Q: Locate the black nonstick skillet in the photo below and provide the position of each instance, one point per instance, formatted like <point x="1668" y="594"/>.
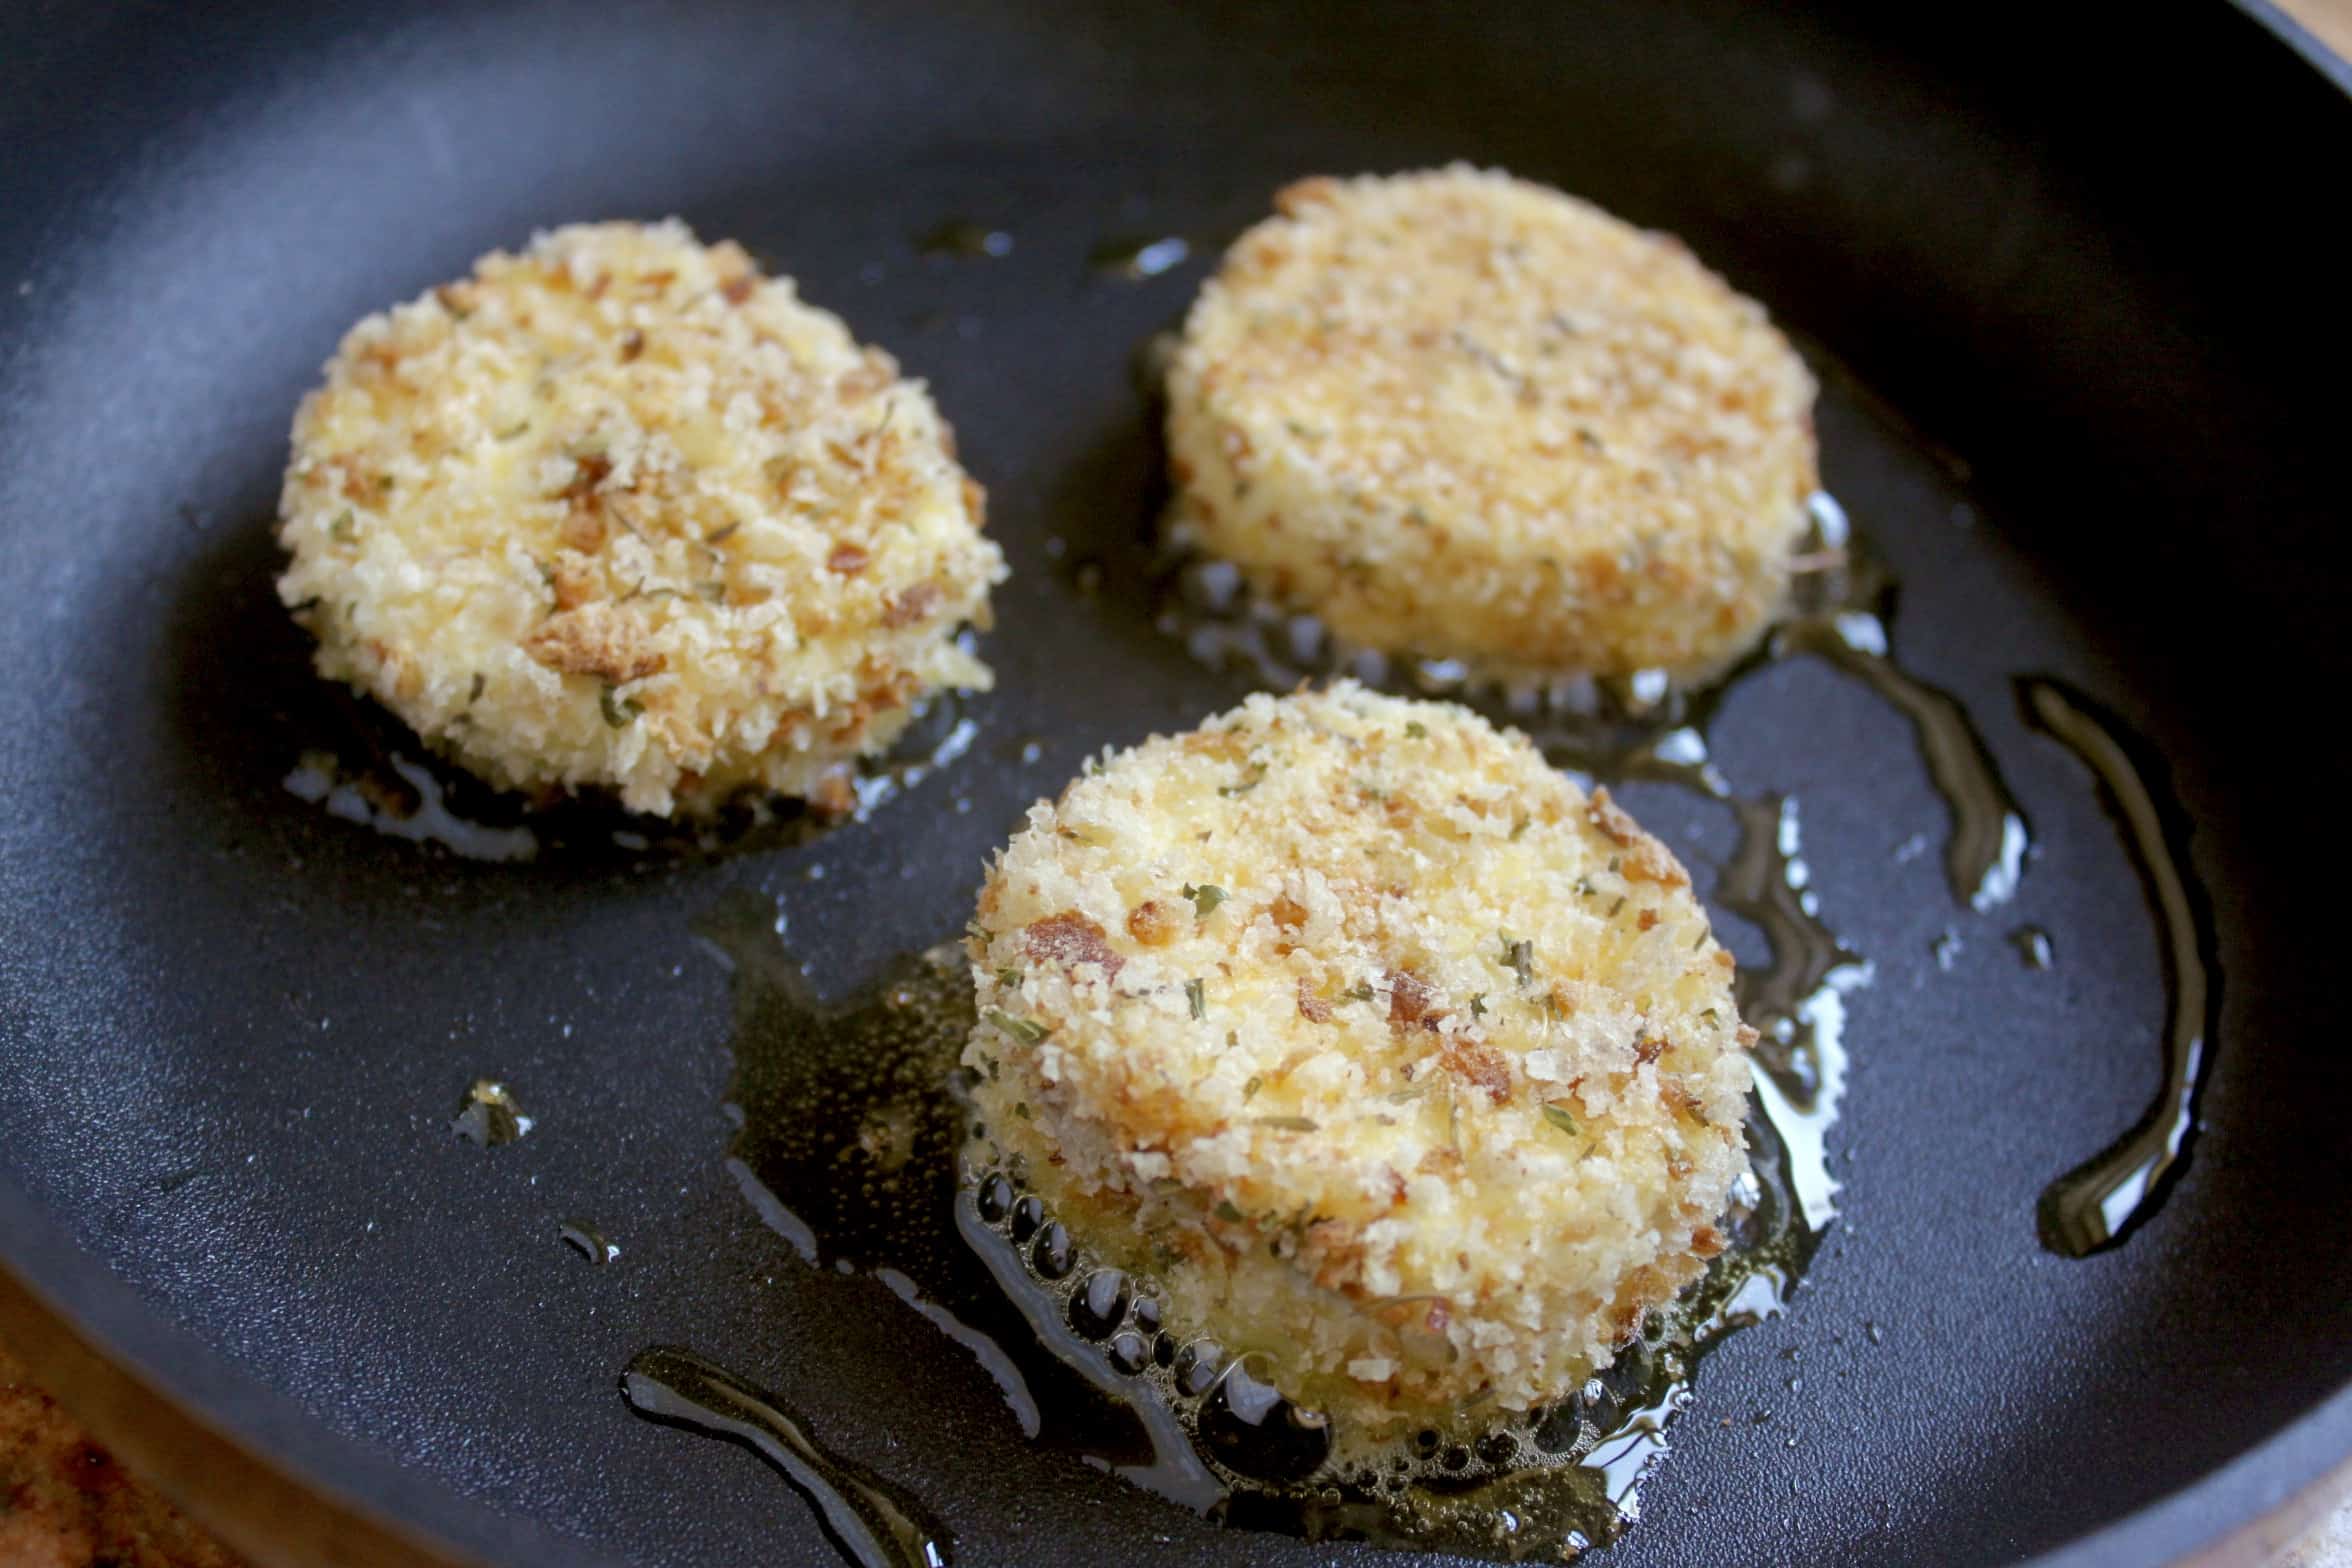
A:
<point x="2074" y="264"/>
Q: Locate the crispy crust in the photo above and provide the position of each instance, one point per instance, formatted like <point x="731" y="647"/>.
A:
<point x="1461" y="415"/>
<point x="1431" y="1087"/>
<point x="621" y="513"/>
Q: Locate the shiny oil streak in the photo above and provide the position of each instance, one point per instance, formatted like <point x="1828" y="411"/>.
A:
<point x="874" y="1524"/>
<point x="2094" y="1205"/>
<point x="439" y="804"/>
<point x="1644" y="726"/>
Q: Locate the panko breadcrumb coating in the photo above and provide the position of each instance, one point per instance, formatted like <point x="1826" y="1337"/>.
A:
<point x="1459" y="415"/>
<point x="621" y="513"/>
<point x="1386" y="1049"/>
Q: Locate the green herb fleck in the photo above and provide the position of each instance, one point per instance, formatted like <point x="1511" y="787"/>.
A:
<point x="1227" y="1212"/>
<point x="1021" y="1109"/>
<point x="1557" y="1115"/>
<point x="481" y="682"/>
<point x="1204" y="898"/>
<point x="1614" y="908"/>
<point x="1008" y="976"/>
<point x="721" y="534"/>
<point x="1197" y="994"/>
<point x="1518" y="957"/>
<point x="1251" y="778"/>
<point x="1249" y="1091"/>
<point x="1584" y="887"/>
<point x="618" y="710"/>
<point x="1416" y="729"/>
<point x="1361" y="991"/>
<point x="1021" y="1029"/>
<point x="345" y="527"/>
<point x="1713" y="1017"/>
<point x="1286" y="1123"/>
<point x="1478" y="1005"/>
<point x="1400" y="1096"/>
<point x="519" y="427"/>
<point x="1518" y="827"/>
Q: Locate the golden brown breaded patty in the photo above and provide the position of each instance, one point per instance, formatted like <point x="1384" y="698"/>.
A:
<point x="1460" y="415"/>
<point x="621" y="513"/>
<point x="1387" y="1050"/>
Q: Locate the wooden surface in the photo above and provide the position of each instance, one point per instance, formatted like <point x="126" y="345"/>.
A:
<point x="65" y="1503"/>
<point x="2330" y="21"/>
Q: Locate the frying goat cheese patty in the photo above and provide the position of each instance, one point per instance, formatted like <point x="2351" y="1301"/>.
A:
<point x="621" y="513"/>
<point x="1459" y="415"/>
<point x="1382" y="1046"/>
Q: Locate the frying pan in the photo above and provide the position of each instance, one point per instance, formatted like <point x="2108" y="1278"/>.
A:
<point x="2091" y="410"/>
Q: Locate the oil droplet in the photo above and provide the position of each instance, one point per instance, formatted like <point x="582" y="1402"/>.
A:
<point x="2033" y="946"/>
<point x="2099" y="1202"/>
<point x="589" y="1242"/>
<point x="1139" y="258"/>
<point x="962" y="239"/>
<point x="872" y="1522"/>
<point x="488" y="1115"/>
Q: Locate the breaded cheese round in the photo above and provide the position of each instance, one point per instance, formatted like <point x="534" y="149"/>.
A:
<point x="1459" y="415"/>
<point x="620" y="513"/>
<point x="1388" y="1051"/>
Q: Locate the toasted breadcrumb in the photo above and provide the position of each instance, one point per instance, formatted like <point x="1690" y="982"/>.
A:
<point x="620" y="513"/>
<point x="1459" y="415"/>
<point x="1390" y="1052"/>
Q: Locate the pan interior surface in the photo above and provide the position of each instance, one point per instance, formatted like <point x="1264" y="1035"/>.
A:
<point x="234" y="1029"/>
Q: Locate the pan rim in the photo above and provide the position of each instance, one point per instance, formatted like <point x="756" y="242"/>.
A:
<point x="172" y="1403"/>
<point x="2333" y="67"/>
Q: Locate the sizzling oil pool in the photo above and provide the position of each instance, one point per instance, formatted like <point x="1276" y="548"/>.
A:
<point x="855" y="1140"/>
<point x="856" y="1144"/>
